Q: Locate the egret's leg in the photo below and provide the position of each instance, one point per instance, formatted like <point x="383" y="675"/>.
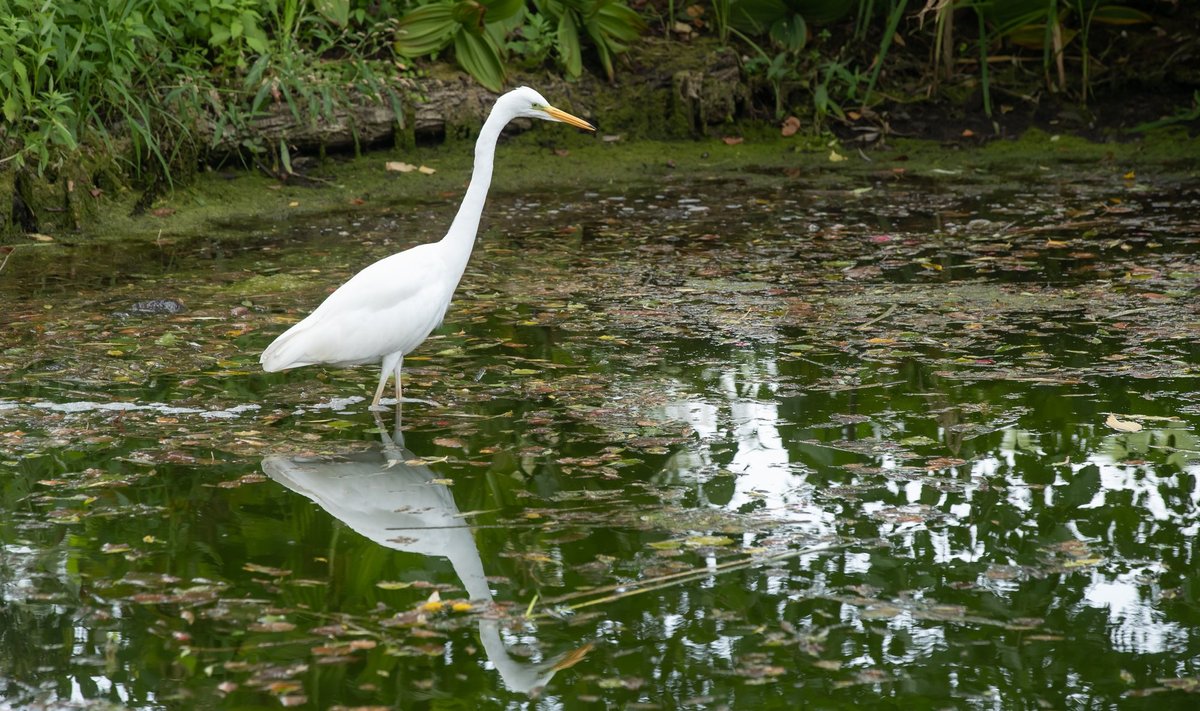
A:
<point x="389" y="365"/>
<point x="399" y="364"/>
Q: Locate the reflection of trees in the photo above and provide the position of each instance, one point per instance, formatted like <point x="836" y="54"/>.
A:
<point x="1054" y="528"/>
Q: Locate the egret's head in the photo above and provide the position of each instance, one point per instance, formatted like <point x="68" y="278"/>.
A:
<point x="530" y="104"/>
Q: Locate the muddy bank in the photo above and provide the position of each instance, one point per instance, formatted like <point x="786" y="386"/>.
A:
<point x="698" y="91"/>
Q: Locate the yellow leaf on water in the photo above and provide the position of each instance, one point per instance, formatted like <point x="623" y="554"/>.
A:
<point x="572" y="658"/>
<point x="835" y="157"/>
<point x="709" y="541"/>
<point x="1122" y="425"/>
<point x="426" y="170"/>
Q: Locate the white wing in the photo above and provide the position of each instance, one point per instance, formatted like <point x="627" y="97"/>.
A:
<point x="389" y="307"/>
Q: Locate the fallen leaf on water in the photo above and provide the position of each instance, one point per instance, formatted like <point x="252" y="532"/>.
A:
<point x="434" y="603"/>
<point x="573" y="657"/>
<point x="1122" y="425"/>
<point x="272" y="626"/>
<point x="426" y="170"/>
<point x="273" y="572"/>
<point x="835" y="157"/>
<point x="709" y="541"/>
<point x="399" y="166"/>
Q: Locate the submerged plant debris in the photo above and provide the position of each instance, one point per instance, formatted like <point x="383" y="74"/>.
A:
<point x="753" y="437"/>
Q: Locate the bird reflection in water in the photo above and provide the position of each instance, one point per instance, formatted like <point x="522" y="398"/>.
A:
<point x="378" y="494"/>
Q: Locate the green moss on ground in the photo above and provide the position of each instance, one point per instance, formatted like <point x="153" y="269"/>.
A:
<point x="547" y="158"/>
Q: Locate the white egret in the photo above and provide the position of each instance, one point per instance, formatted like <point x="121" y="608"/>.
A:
<point x="389" y="308"/>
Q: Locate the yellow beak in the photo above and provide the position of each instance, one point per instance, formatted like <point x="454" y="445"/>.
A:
<point x="560" y="115"/>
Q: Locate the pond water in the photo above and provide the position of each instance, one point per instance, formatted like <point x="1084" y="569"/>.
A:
<point x="723" y="441"/>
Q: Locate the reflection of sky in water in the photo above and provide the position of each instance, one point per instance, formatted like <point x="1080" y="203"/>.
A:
<point x="740" y="437"/>
<point x="764" y="476"/>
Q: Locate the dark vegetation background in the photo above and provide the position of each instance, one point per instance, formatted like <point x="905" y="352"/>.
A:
<point x="98" y="96"/>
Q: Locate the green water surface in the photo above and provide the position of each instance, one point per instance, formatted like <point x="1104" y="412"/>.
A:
<point x="721" y="440"/>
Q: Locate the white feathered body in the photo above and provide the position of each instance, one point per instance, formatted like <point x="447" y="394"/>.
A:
<point x="387" y="310"/>
<point x="389" y="307"/>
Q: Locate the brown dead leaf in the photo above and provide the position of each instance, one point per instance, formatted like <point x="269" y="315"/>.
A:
<point x="790" y="126"/>
<point x="732" y="140"/>
<point x="573" y="657"/>
<point x="1122" y="425"/>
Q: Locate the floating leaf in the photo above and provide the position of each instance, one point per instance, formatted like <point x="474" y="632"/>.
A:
<point x="709" y="541"/>
<point x="1122" y="425"/>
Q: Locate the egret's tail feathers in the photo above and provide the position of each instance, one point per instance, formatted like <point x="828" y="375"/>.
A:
<point x="284" y="352"/>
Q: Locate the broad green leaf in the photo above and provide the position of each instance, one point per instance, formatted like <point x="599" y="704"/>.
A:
<point x="790" y="32"/>
<point x="476" y="54"/>
<point x="336" y="11"/>
<point x="620" y="21"/>
<point x="499" y="10"/>
<point x="1120" y="15"/>
<point x="469" y="14"/>
<point x="12" y="109"/>
<point x="569" y="51"/>
<point x="755" y="16"/>
<point x="425" y="30"/>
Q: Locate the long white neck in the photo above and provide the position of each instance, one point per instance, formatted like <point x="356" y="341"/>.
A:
<point x="461" y="237"/>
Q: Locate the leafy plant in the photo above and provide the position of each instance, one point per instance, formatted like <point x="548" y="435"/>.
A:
<point x="610" y="24"/>
<point x="1051" y="26"/>
<point x="786" y="22"/>
<point x="471" y="26"/>
<point x="530" y="37"/>
<point x="233" y="28"/>
<point x="70" y="66"/>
